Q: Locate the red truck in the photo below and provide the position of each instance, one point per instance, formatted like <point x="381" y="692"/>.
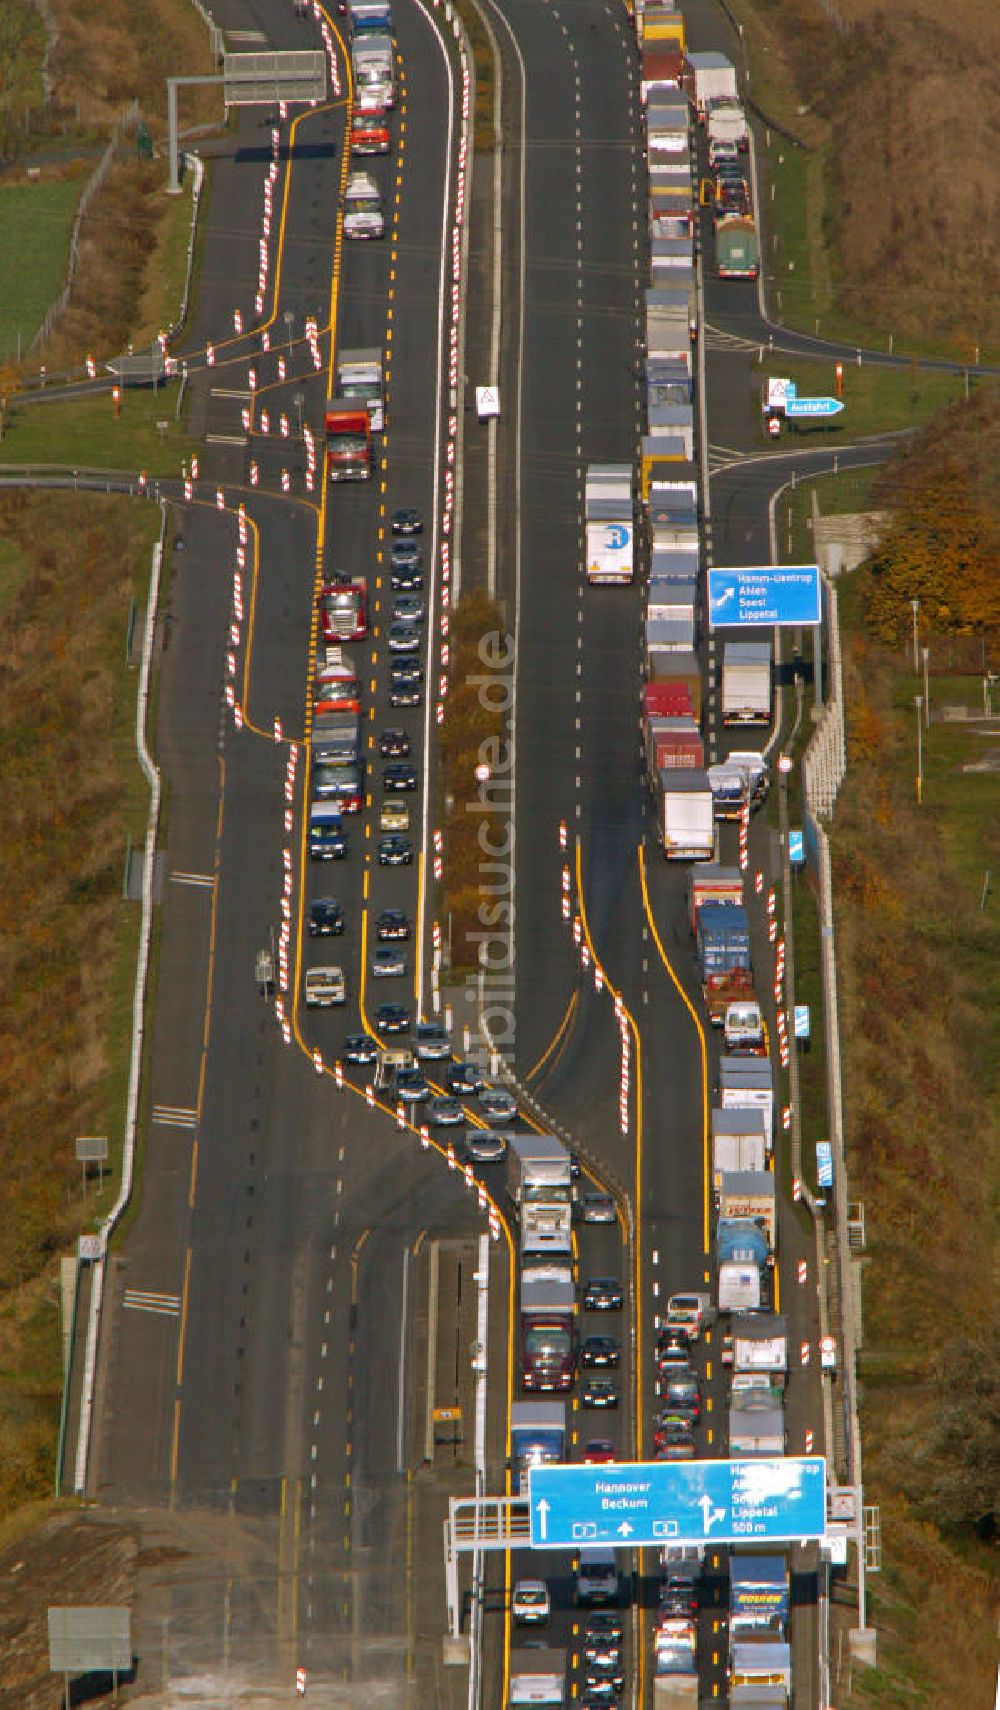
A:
<point x="666" y="699"/>
<point x="348" y="442"/>
<point x="343" y="609"/>
<point x="672" y="742"/>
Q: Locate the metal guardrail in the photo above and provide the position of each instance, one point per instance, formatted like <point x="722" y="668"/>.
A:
<point x="824" y="768"/>
<point x="138" y="1024"/>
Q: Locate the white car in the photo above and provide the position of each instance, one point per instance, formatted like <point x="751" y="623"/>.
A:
<point x="530" y="1605"/>
<point x="325" y="987"/>
<point x="497" y="1105"/>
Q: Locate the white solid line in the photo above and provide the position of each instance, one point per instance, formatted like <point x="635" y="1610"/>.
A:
<point x="436" y="501"/>
<point x="230" y="392"/>
<point x="205" y="880"/>
<point x="226" y="438"/>
<point x="401" y="1407"/>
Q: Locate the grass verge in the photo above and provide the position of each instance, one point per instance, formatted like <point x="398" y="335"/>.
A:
<point x="876" y="400"/>
<point x="160" y="303"/>
<point x="36" y="217"/>
<point x="85" y="433"/>
<point x="918" y="933"/>
<point x="66" y="936"/>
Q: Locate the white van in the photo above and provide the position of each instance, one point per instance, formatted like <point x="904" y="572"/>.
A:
<point x="363" y="207"/>
<point x="597" y="1577"/>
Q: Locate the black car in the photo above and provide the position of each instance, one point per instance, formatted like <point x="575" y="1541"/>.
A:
<point x="599" y="1352"/>
<point x="405" y="694"/>
<point x="392" y="923"/>
<point x="388" y="961"/>
<point x="603" y="1294"/>
<point x="407" y="521"/>
<point x="394" y="744"/>
<point x="463" y="1078"/>
<point x="395" y="851"/>
<point x="406" y="555"/>
<point x="672" y="1350"/>
<point x="392" y="1018"/>
<point x="574" y="1166"/>
<point x="327" y="843"/>
<point x="603" y="1697"/>
<point x="406" y="671"/>
<point x="326" y="918"/>
<point x="602" y="1630"/>
<point x="412" y="1086"/>
<point x="604" y="1671"/>
<point x="599" y="1392"/>
<point x="399" y="776"/>
<point x="406" y="578"/>
<point x="360" y="1048"/>
<point x="677" y="1605"/>
<point x="673" y="1430"/>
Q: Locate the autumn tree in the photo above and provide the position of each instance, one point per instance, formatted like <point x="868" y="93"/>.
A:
<point x="941" y="547"/>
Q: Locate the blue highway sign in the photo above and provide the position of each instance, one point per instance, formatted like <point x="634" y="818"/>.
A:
<point x="801" y="1020"/>
<point x="812" y="407"/>
<point x="766" y="594"/>
<point x="824" y="1163"/>
<point x="684" y="1502"/>
<point x="796" y="848"/>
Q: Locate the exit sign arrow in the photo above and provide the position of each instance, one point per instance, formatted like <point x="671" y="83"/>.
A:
<point x="542" y="1510"/>
<point x="813" y="407"/>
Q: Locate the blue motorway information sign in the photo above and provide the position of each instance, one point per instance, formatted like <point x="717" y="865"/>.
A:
<point x="766" y="594"/>
<point x="684" y="1502"/>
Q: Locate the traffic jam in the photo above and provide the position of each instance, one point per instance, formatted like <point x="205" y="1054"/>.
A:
<point x="719" y="1360"/>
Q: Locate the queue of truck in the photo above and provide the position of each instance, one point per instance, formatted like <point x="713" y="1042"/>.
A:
<point x="662" y="515"/>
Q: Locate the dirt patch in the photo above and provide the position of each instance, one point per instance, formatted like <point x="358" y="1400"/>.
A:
<point x="70" y="1559"/>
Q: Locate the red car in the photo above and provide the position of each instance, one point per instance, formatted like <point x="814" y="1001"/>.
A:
<point x="600" y="1451"/>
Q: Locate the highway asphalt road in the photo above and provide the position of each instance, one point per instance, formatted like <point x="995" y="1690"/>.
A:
<point x="263" y="1183"/>
<point x="579" y="760"/>
<point x="258" y="1310"/>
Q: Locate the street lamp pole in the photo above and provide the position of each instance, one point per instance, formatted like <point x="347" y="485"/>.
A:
<point x="915" y="607"/>
<point x="927" y="688"/>
<point x="918" y="701"/>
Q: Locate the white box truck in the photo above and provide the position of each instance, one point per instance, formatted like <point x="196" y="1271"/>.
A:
<point x="360" y="379"/>
<point x="686" y="820"/>
<point x="746" y="682"/>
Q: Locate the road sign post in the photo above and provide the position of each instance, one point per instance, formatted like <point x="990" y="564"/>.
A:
<point x="692" y="1502"/>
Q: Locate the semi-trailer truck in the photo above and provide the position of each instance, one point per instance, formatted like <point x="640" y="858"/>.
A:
<point x="548" y="1340"/>
<point x="609" y="524"/>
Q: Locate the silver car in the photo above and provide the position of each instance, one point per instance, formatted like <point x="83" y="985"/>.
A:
<point x="484" y="1146"/>
<point x="497" y="1105"/>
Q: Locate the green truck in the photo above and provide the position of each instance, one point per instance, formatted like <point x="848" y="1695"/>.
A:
<point x="737" y="252"/>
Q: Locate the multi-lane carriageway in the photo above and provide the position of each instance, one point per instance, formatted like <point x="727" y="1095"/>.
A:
<point x="279" y="1217"/>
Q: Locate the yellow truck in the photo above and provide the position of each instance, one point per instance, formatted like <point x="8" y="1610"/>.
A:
<point x="662" y="25"/>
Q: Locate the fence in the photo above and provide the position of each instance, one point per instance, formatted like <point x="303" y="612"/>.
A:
<point x="127" y="120"/>
<point x="823" y="770"/>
